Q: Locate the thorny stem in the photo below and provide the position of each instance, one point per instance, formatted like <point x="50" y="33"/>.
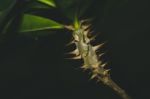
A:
<point x="87" y="52"/>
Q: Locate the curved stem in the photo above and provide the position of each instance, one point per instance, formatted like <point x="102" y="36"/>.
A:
<point x="86" y="51"/>
<point x="116" y="88"/>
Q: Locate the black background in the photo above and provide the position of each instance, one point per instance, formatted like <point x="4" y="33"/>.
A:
<point x="36" y="69"/>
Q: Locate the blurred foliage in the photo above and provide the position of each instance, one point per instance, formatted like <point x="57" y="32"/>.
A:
<point x="12" y="9"/>
<point x="48" y="2"/>
<point x="4" y="4"/>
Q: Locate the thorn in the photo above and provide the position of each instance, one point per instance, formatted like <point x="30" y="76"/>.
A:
<point x="76" y="57"/>
<point x="84" y="67"/>
<point x="103" y="65"/>
<point x="98" y="46"/>
<point x="93" y="38"/>
<point x="93" y="76"/>
<point x="70" y="43"/>
<point x="76" y="52"/>
<point x="86" y="20"/>
<point x="86" y="27"/>
<point x="101" y="54"/>
<point x="69" y="27"/>
<point x="73" y="58"/>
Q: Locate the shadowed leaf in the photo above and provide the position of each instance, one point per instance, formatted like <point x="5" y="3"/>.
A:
<point x="4" y="4"/>
<point x="39" y="5"/>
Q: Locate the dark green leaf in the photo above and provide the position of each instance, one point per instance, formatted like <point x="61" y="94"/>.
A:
<point x="6" y="7"/>
<point x="32" y="23"/>
<point x="4" y="4"/>
<point x="38" y="5"/>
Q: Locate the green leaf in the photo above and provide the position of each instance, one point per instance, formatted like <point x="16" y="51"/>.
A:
<point x="48" y="2"/>
<point x="32" y="23"/>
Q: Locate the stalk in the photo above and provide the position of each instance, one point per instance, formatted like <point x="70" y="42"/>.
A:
<point x="91" y="61"/>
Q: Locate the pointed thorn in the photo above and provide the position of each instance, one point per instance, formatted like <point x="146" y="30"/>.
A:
<point x="70" y="43"/>
<point x="76" y="57"/>
<point x="93" y="37"/>
<point x="69" y="27"/>
<point x="75" y="52"/>
<point x="86" y="27"/>
<point x="93" y="76"/>
<point x="84" y="67"/>
<point x="101" y="54"/>
<point x="86" y="20"/>
<point x="98" y="46"/>
<point x="103" y="65"/>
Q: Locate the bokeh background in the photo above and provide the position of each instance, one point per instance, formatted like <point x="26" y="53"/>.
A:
<point x="36" y="68"/>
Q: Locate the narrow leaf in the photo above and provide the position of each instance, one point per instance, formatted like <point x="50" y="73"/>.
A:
<point x="36" y="23"/>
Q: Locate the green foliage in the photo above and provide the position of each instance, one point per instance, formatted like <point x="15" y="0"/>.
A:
<point x="48" y="2"/>
<point x="73" y="9"/>
<point x="32" y="23"/>
<point x="10" y="10"/>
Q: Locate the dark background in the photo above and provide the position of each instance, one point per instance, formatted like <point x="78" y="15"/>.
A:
<point x="36" y="69"/>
